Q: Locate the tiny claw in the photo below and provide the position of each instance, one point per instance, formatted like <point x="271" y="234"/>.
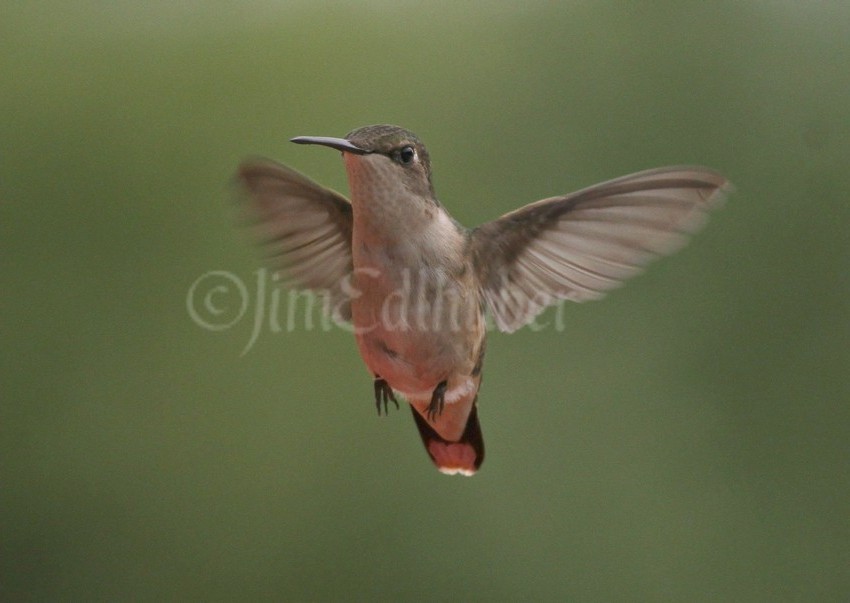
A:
<point x="383" y="394"/>
<point x="438" y="401"/>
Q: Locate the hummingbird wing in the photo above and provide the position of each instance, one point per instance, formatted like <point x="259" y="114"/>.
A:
<point x="581" y="245"/>
<point x="304" y="228"/>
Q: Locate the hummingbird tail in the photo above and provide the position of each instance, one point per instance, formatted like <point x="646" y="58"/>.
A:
<point x="462" y="457"/>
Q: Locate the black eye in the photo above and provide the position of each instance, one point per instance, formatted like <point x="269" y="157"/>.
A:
<point x="406" y="155"/>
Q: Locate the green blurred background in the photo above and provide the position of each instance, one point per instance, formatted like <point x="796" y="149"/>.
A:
<point x="686" y="439"/>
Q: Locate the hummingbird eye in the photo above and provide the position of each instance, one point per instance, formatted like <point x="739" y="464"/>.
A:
<point x="406" y="155"/>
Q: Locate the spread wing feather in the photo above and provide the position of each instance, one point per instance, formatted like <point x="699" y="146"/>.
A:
<point x="304" y="229"/>
<point x="580" y="246"/>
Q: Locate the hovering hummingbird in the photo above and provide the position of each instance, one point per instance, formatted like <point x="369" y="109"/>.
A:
<point x="416" y="284"/>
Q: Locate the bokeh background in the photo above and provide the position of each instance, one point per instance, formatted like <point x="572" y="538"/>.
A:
<point x="686" y="439"/>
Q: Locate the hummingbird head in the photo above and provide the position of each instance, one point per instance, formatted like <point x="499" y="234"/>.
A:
<point x="382" y="161"/>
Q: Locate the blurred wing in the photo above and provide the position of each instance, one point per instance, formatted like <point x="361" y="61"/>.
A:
<point x="304" y="228"/>
<point x="581" y="245"/>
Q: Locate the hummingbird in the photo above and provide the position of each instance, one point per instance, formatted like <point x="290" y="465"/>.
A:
<point x="416" y="285"/>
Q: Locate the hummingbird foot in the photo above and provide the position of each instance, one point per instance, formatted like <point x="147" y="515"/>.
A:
<point x="438" y="401"/>
<point x="383" y="395"/>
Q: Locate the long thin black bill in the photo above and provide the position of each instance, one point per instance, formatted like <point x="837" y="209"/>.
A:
<point x="340" y="144"/>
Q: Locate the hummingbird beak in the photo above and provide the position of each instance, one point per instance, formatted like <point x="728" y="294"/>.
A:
<point x="341" y="144"/>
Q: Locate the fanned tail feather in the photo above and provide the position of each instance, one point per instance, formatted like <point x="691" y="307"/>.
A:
<point x="462" y="457"/>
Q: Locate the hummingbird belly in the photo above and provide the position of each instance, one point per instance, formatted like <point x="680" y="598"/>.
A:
<point x="416" y="329"/>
